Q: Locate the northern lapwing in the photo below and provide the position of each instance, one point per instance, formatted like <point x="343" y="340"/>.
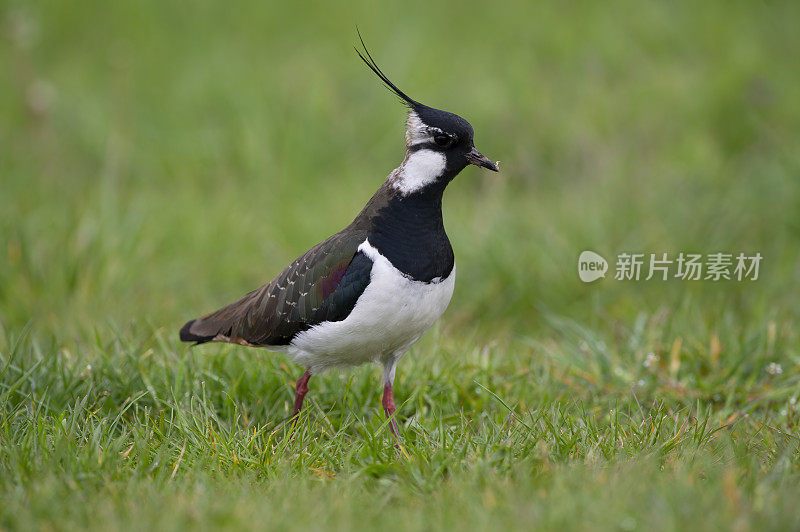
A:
<point x="369" y="292"/>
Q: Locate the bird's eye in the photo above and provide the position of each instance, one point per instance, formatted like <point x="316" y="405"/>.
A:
<point x="442" y="140"/>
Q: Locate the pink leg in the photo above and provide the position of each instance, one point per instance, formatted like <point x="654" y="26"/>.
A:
<point x="300" y="392"/>
<point x="388" y="407"/>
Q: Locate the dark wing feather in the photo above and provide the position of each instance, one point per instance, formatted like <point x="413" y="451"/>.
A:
<point x="322" y="285"/>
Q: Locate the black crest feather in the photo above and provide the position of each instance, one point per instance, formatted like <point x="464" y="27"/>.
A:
<point x="370" y="62"/>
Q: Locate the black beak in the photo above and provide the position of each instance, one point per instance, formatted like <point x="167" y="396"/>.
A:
<point x="478" y="159"/>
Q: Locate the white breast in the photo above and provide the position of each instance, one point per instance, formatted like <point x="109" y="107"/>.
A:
<point x="392" y="313"/>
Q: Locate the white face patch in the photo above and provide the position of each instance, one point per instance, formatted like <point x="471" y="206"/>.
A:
<point x="421" y="168"/>
<point x="417" y="132"/>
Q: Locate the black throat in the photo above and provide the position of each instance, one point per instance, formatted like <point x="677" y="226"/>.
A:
<point x="409" y="231"/>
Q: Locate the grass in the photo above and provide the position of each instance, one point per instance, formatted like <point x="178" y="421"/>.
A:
<point x="158" y="160"/>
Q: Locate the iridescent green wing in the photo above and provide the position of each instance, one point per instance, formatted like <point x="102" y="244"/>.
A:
<point x="321" y="285"/>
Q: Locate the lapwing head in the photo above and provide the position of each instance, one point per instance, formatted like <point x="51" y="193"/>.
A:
<point x="438" y="142"/>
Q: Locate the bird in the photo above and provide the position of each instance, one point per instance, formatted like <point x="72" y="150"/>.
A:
<point x="370" y="291"/>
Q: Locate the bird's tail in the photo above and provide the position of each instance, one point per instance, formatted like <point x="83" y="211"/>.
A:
<point x="188" y="336"/>
<point x="223" y="325"/>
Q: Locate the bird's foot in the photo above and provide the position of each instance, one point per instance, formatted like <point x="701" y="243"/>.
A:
<point x="389" y="409"/>
<point x="300" y="391"/>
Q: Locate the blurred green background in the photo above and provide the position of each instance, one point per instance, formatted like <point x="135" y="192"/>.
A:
<point x="160" y="159"/>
